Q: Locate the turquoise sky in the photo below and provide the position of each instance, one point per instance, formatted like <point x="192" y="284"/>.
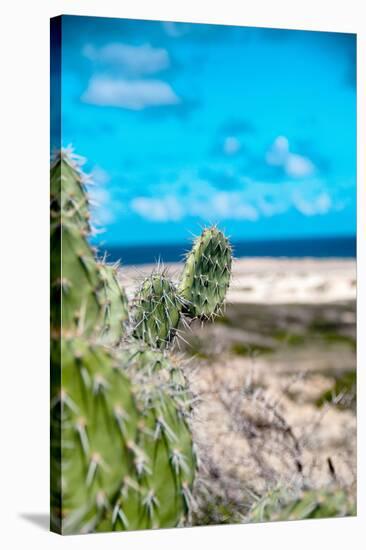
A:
<point x="188" y="124"/>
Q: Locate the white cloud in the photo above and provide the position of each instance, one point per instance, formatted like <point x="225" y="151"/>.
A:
<point x="129" y="94"/>
<point x="321" y="204"/>
<point x="298" y="166"/>
<point x="174" y="30"/>
<point x="99" y="197"/>
<point x="231" y="145"/>
<point x="294" y="165"/>
<point x="99" y="176"/>
<point x="278" y="152"/>
<point x="105" y="205"/>
<point x="163" y="209"/>
<point x="102" y="206"/>
<point x="272" y="207"/>
<point x="193" y="198"/>
<point x="228" y="205"/>
<point x="136" y="60"/>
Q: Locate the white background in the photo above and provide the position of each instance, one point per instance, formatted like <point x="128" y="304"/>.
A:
<point x="24" y="273"/>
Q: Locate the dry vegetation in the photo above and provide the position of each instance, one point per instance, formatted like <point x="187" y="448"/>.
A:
<point x="276" y="403"/>
<point x="274" y="410"/>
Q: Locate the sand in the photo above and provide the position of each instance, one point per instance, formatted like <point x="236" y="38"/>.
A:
<point x="275" y="280"/>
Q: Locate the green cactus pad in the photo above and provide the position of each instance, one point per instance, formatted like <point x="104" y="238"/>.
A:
<point x="279" y="505"/>
<point x="115" y="306"/>
<point x="206" y="274"/>
<point x="75" y="282"/>
<point x="318" y="504"/>
<point x="157" y="311"/>
<point x="148" y="363"/>
<point x="126" y="451"/>
<point x="87" y="294"/>
<point x="68" y="191"/>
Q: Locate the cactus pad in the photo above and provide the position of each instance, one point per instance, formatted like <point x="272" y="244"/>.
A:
<point x="148" y="363"/>
<point x="157" y="311"/>
<point x="206" y="274"/>
<point x="75" y="282"/>
<point x="115" y="306"/>
<point x="278" y="505"/>
<point x="68" y="191"/>
<point x="126" y="451"/>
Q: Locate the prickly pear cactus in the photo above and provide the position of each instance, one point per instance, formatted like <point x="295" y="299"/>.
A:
<point x="156" y="311"/>
<point x="121" y="449"/>
<point x="125" y="449"/>
<point x="206" y="274"/>
<point x="115" y="306"/>
<point x="279" y="505"/>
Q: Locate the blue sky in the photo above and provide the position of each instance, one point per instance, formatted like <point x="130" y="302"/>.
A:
<point x="187" y="124"/>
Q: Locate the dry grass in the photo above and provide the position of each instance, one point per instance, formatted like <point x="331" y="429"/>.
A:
<point x="275" y="387"/>
<point x="269" y="419"/>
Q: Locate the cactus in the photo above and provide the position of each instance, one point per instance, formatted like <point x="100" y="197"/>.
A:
<point x="125" y="448"/>
<point x="206" y="274"/>
<point x="157" y="311"/>
<point x="279" y="505"/>
<point x="121" y="449"/>
<point x="158" y="305"/>
<point x="115" y="306"/>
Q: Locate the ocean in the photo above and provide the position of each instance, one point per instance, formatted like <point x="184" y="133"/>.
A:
<point x="333" y="247"/>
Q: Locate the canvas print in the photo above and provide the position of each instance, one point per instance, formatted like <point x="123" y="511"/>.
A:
<point x="203" y="274"/>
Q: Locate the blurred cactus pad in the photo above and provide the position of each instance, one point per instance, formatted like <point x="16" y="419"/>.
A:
<point x="122" y="451"/>
<point x="127" y="459"/>
<point x="279" y="505"/>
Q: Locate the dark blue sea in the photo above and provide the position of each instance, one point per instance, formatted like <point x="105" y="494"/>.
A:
<point x="334" y="247"/>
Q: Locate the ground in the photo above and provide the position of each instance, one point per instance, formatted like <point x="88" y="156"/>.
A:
<point x="275" y="384"/>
